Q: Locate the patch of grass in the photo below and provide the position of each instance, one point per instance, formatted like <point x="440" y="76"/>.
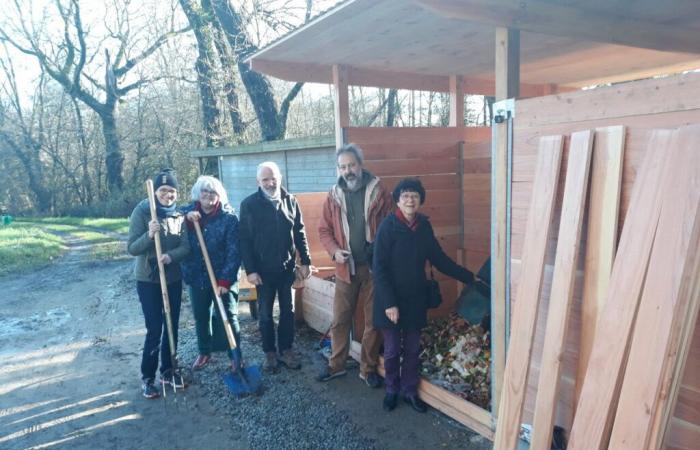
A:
<point x="116" y="225"/>
<point x="92" y="237"/>
<point x="109" y="250"/>
<point x="23" y="247"/>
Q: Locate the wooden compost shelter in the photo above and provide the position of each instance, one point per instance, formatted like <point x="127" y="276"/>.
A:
<point x="535" y="57"/>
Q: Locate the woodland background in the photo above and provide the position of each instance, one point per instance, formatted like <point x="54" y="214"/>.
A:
<point x="96" y="96"/>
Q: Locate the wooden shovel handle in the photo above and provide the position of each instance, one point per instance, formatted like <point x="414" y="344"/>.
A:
<point x="212" y="281"/>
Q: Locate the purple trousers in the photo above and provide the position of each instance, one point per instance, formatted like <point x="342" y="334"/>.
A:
<point x="401" y="363"/>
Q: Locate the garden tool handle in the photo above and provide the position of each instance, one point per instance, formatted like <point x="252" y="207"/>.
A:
<point x="161" y="274"/>
<point x="212" y="280"/>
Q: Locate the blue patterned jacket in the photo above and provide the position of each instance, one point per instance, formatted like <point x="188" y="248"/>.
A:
<point x="220" y="231"/>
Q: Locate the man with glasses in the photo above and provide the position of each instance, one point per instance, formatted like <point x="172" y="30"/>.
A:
<point x="353" y="210"/>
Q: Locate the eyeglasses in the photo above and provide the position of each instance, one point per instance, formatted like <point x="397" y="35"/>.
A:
<point x="410" y="196"/>
<point x="208" y="192"/>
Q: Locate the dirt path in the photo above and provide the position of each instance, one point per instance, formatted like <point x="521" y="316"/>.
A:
<point x="70" y="341"/>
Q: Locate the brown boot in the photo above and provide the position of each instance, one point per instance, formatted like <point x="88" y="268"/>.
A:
<point x="290" y="359"/>
<point x="270" y="365"/>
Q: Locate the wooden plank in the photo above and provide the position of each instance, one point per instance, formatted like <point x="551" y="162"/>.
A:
<point x="341" y="104"/>
<point x="601" y="239"/>
<point x="527" y="299"/>
<point x="568" y="244"/>
<point x="666" y="301"/>
<point x="464" y="412"/>
<point x="686" y="408"/>
<point x="594" y="412"/>
<point x="652" y="96"/>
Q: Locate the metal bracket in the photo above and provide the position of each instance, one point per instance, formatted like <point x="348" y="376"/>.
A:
<point x="505" y="109"/>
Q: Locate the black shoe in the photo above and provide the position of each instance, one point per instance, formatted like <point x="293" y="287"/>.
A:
<point x="390" y="401"/>
<point x="416" y="403"/>
<point x="149" y="390"/>
<point x="372" y="379"/>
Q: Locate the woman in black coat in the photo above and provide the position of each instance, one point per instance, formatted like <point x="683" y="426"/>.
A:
<point x="405" y="241"/>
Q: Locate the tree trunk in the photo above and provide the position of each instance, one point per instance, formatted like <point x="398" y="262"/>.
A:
<point x="392" y="107"/>
<point x="272" y="122"/>
<point x="114" y="159"/>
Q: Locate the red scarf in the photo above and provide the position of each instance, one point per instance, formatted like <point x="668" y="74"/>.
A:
<point x="412" y="225"/>
<point x="205" y="217"/>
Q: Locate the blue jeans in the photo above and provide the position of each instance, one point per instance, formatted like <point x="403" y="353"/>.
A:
<point x="156" y="329"/>
<point x="280" y="285"/>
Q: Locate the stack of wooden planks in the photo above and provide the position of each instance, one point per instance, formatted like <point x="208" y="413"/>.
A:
<point x="642" y="308"/>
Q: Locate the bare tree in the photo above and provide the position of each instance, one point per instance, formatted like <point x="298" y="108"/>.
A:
<point x="271" y="118"/>
<point x="65" y="62"/>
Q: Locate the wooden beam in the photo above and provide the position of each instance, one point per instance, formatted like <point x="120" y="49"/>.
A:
<point x="341" y="103"/>
<point x="601" y="241"/>
<point x="507" y="70"/>
<point x="666" y="301"/>
<point x="527" y="300"/>
<point x="456" y="102"/>
<point x="595" y="410"/>
<point x="568" y="244"/>
<point x="538" y="16"/>
<point x="507" y="63"/>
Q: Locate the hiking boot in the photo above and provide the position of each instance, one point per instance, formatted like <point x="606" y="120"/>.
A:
<point x="174" y="380"/>
<point x="270" y="365"/>
<point x="390" y="401"/>
<point x="290" y="359"/>
<point x="417" y="404"/>
<point x="149" y="390"/>
<point x="201" y="361"/>
<point x="327" y="375"/>
<point x="371" y="379"/>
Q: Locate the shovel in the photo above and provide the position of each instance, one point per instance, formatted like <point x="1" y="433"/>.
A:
<point x="175" y="373"/>
<point x="244" y="381"/>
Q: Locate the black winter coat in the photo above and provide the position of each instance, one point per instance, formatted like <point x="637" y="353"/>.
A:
<point x="270" y="237"/>
<point x="398" y="271"/>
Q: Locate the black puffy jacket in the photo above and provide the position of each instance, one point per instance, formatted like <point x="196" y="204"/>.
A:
<point x="269" y="236"/>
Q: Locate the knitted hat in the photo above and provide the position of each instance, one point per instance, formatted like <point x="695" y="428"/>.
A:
<point x="166" y="177"/>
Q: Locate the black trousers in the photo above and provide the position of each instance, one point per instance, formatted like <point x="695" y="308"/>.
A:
<point x="156" y="329"/>
<point x="280" y="285"/>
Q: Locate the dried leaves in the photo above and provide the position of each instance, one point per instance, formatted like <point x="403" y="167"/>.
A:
<point x="457" y="357"/>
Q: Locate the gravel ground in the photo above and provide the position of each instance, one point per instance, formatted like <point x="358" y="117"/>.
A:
<point x="294" y="411"/>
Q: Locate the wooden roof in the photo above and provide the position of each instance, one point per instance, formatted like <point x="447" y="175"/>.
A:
<point x="417" y="44"/>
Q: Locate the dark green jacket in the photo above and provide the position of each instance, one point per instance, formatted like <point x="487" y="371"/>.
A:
<point x="173" y="238"/>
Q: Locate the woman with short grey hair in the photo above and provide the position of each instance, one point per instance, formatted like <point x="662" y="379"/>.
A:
<point x="219" y="225"/>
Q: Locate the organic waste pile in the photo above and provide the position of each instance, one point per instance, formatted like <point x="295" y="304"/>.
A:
<point x="456" y="356"/>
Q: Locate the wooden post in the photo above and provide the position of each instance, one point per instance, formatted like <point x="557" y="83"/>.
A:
<point x="340" y="103"/>
<point x="456" y="101"/>
<point x="507" y="86"/>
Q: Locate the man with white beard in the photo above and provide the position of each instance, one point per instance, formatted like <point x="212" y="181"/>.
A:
<point x="353" y="210"/>
<point x="271" y="232"/>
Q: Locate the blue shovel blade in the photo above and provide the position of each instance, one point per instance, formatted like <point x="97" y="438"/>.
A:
<point x="238" y="386"/>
